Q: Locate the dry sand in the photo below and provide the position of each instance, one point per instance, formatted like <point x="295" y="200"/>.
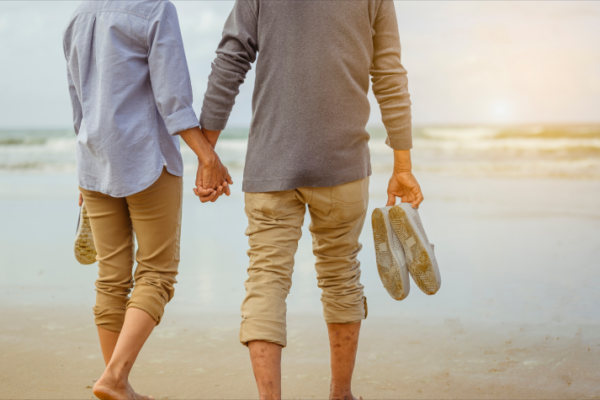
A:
<point x="54" y="354"/>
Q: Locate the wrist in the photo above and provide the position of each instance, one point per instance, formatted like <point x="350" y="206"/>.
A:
<point x="211" y="136"/>
<point x="207" y="157"/>
<point x="402" y="161"/>
<point x="402" y="170"/>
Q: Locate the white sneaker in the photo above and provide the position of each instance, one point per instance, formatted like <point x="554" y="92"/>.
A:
<point x="391" y="262"/>
<point x="85" y="251"/>
<point x="422" y="265"/>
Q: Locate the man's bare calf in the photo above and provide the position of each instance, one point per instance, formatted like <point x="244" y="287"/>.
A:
<point x="343" y="340"/>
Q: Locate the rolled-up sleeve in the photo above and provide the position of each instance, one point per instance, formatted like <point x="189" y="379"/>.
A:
<point x="169" y="71"/>
<point x="236" y="52"/>
<point x="390" y="82"/>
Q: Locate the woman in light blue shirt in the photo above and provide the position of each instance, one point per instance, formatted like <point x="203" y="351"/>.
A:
<point x="132" y="99"/>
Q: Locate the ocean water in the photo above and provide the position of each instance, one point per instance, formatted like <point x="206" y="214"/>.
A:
<point x="571" y="151"/>
<point x="513" y="212"/>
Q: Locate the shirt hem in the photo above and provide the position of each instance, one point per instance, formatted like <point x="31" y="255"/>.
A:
<point x="277" y="185"/>
<point x="121" y="195"/>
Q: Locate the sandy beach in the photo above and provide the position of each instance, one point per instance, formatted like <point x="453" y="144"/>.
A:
<point x="505" y="145"/>
<point x="517" y="315"/>
<point x="54" y="354"/>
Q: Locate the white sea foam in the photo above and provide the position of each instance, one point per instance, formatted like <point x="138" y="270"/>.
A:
<point x="523" y="151"/>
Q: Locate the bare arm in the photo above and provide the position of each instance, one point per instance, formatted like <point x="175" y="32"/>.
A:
<point x="173" y="95"/>
<point x="211" y="136"/>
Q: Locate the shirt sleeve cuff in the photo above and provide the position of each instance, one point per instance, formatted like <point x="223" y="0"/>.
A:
<point x="181" y="120"/>
<point x="401" y="140"/>
<point x="212" y="124"/>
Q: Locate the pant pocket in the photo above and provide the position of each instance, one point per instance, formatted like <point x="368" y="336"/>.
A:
<point x="350" y="200"/>
<point x="268" y="205"/>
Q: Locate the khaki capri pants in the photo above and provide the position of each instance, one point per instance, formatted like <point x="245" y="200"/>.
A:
<point x="275" y="222"/>
<point x="154" y="215"/>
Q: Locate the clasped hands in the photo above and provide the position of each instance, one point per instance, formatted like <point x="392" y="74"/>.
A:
<point x="212" y="178"/>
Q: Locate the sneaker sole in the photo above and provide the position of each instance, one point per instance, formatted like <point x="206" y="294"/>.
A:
<point x="420" y="265"/>
<point x="395" y="282"/>
<point x="85" y="250"/>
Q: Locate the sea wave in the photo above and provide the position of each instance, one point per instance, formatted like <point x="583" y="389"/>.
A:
<point x="571" y="151"/>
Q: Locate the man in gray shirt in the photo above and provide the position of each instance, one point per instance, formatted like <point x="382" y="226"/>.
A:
<point x="308" y="146"/>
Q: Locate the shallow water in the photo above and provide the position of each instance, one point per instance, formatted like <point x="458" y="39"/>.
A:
<point x="511" y="251"/>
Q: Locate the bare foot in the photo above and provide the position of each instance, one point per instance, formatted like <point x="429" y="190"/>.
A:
<point x="110" y="388"/>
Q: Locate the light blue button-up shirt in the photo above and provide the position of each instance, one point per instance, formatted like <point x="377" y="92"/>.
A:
<point x="131" y="93"/>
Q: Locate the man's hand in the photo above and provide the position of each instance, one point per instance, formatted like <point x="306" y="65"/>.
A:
<point x="405" y="186"/>
<point x="80" y="199"/>
<point x="403" y="183"/>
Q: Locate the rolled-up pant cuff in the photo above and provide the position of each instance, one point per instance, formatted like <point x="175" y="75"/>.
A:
<point x="149" y="298"/>
<point x="109" y="317"/>
<point x="109" y="311"/>
<point x="263" y="330"/>
<point x="334" y="314"/>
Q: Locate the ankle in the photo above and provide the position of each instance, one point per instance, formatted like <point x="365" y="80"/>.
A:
<point x="340" y="396"/>
<point x="340" y="393"/>
<point x="115" y="374"/>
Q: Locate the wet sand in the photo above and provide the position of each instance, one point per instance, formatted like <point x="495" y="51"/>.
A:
<point x="517" y="316"/>
<point x="54" y="354"/>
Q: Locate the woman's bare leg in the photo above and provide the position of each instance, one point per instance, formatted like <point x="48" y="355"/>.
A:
<point x="108" y="342"/>
<point x="114" y="382"/>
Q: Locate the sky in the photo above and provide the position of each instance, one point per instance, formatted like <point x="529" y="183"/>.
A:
<point x="468" y="62"/>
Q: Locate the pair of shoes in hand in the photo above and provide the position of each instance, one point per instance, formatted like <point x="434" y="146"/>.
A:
<point x="402" y="248"/>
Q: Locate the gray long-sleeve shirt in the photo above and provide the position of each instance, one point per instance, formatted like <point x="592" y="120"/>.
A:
<point x="131" y="92"/>
<point x="310" y="105"/>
